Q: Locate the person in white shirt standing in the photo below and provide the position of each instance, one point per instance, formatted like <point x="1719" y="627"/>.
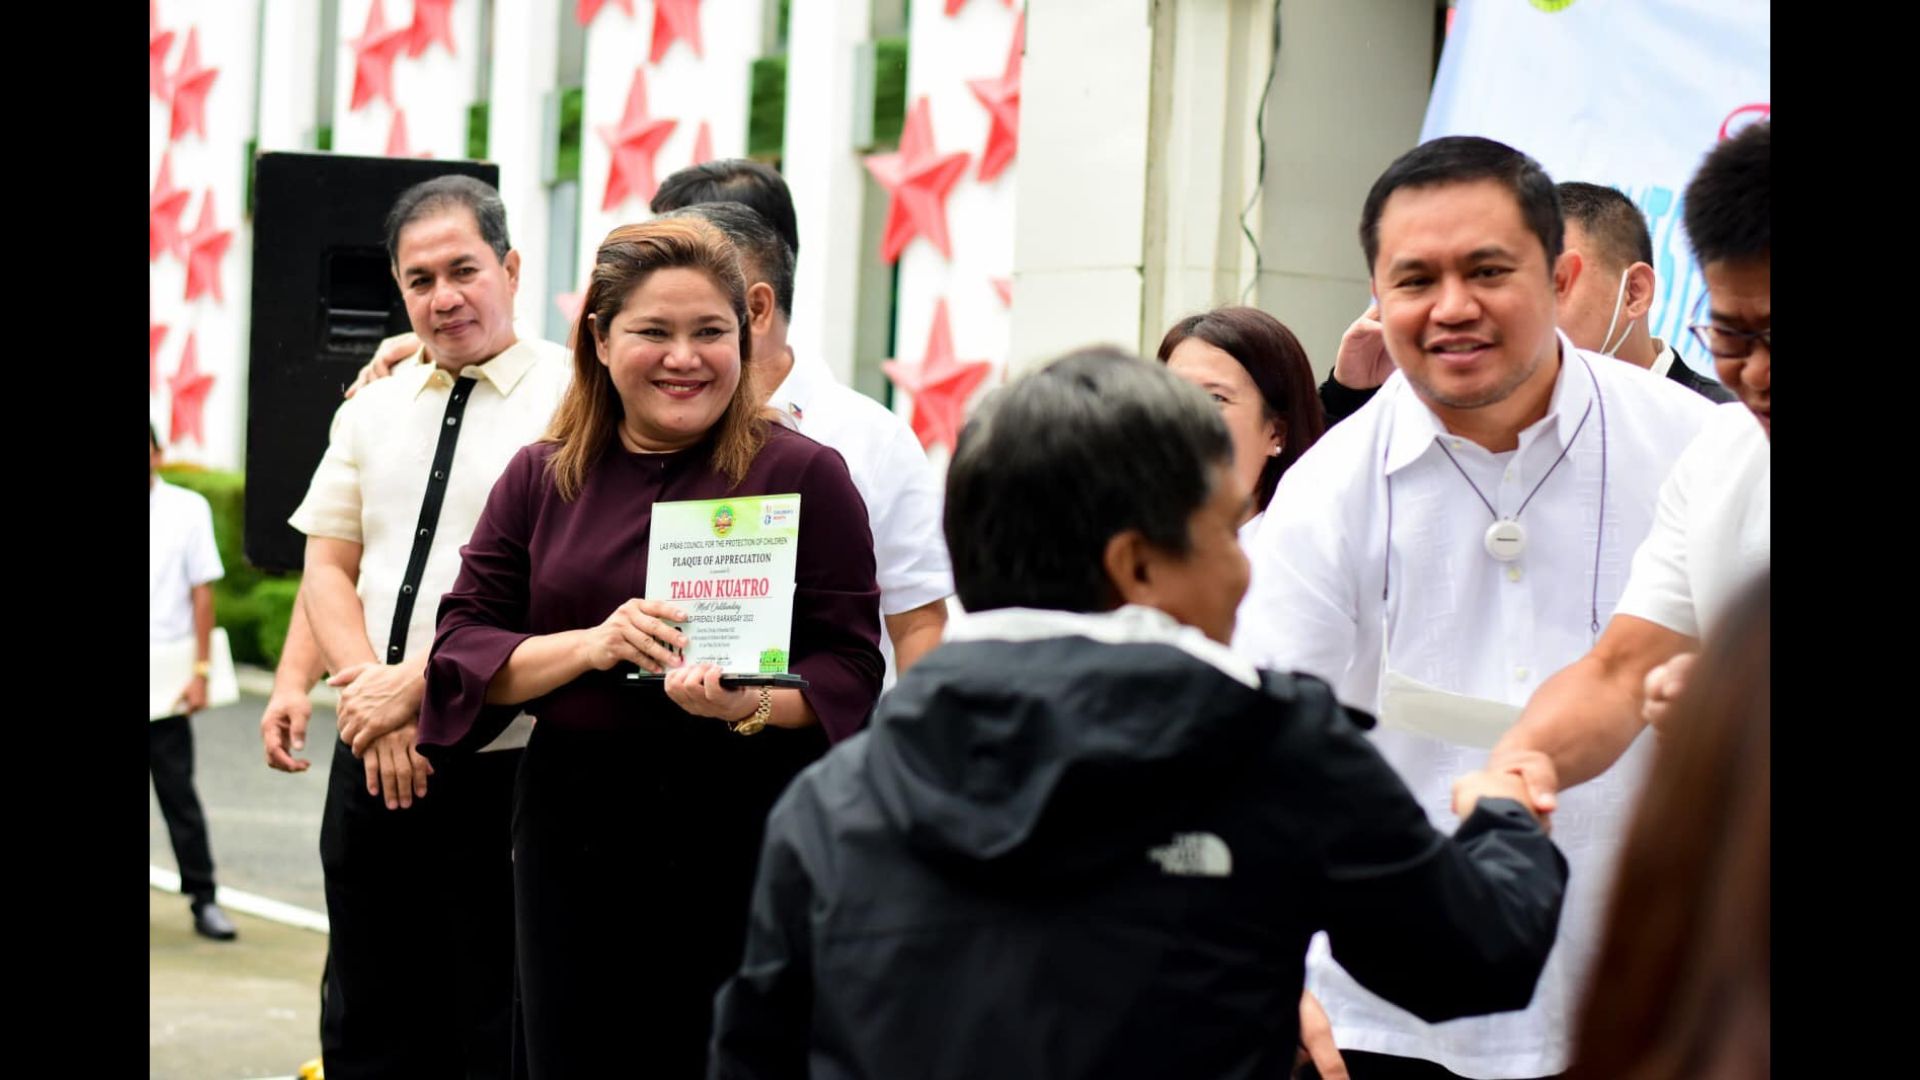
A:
<point x="182" y="565"/>
<point x="889" y="467"/>
<point x="1459" y="538"/>
<point x="1714" y="530"/>
<point x="418" y="860"/>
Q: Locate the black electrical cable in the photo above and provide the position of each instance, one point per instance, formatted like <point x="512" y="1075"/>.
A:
<point x="1260" y="176"/>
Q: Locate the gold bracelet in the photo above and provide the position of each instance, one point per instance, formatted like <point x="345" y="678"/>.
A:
<point x="752" y="725"/>
<point x="201" y="668"/>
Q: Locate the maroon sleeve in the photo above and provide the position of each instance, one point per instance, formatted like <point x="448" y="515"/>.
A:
<point x="483" y="618"/>
<point x="836" y="600"/>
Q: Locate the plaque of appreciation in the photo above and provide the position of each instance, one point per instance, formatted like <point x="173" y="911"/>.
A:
<point x="729" y="564"/>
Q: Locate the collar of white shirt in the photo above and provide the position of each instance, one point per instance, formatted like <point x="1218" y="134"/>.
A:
<point x="504" y="371"/>
<point x="796" y="391"/>
<point x="1129" y="624"/>
<point x="1663" y="358"/>
<point x="1415" y="427"/>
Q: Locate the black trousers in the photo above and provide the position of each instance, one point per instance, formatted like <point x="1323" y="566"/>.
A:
<point x="634" y="859"/>
<point x="1362" y="1065"/>
<point x="419" y="976"/>
<point x="170" y="763"/>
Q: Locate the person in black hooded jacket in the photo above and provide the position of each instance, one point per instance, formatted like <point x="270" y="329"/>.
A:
<point x="1083" y="839"/>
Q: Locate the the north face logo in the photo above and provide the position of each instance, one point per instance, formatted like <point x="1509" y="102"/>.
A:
<point x="1194" y="854"/>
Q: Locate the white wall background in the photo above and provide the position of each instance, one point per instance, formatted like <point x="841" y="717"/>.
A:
<point x="434" y="90"/>
<point x="944" y="53"/>
<point x="682" y="87"/>
<point x="213" y="166"/>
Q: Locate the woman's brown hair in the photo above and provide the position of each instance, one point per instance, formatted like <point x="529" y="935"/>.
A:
<point x="1682" y="986"/>
<point x="1279" y="369"/>
<point x="587" y="423"/>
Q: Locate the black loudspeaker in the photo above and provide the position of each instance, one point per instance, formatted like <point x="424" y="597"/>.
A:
<point x="323" y="298"/>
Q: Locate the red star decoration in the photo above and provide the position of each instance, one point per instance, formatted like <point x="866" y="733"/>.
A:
<point x="634" y="141"/>
<point x="918" y="179"/>
<point x="675" y="20"/>
<point x="954" y="6"/>
<point x="1001" y="97"/>
<point x="190" y="388"/>
<point x="703" y="145"/>
<point x="158" y="43"/>
<point x="165" y="204"/>
<point x="397" y="138"/>
<point x="432" y="21"/>
<point x="156" y="333"/>
<point x="941" y="386"/>
<point x="206" y="247"/>
<point x="189" y="86"/>
<point x="1003" y="287"/>
<point x="373" y="55"/>
<point x="587" y="9"/>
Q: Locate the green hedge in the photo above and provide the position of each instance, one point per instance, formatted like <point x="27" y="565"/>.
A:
<point x="767" y="108"/>
<point x="253" y="606"/>
<point x="889" y="90"/>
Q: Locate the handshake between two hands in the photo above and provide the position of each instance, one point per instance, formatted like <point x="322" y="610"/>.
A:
<point x="1529" y="776"/>
<point x="1525" y="776"/>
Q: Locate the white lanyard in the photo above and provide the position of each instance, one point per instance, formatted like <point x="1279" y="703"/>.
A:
<point x="1407" y="704"/>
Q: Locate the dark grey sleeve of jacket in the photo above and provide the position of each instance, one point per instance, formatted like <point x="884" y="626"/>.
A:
<point x="1340" y="401"/>
<point x="762" y="1014"/>
<point x="1442" y="926"/>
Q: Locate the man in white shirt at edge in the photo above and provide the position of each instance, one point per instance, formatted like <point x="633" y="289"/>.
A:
<point x="1714" y="527"/>
<point x="436" y="434"/>
<point x="1452" y="531"/>
<point x="182" y="565"/>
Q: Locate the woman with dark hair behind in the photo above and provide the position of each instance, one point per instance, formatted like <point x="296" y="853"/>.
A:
<point x="1683" y="985"/>
<point x="1257" y="373"/>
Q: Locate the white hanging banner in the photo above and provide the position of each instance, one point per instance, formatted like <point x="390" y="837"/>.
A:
<point x="1626" y="93"/>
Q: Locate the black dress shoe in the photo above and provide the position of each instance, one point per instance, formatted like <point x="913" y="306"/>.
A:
<point x="210" y="921"/>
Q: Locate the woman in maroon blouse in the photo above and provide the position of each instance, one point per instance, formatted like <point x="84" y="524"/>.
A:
<point x="639" y="812"/>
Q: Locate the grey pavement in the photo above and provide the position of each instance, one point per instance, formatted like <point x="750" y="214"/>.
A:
<point x="265" y="825"/>
<point x="230" y="1010"/>
<point x="247" y="1008"/>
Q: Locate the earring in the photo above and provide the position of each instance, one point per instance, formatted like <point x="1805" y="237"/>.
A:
<point x="1277" y="447"/>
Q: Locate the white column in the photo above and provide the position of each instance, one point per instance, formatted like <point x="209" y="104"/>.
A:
<point x="213" y="167"/>
<point x="1212" y="60"/>
<point x="289" y="74"/>
<point x="1080" y="194"/>
<point x="823" y="172"/>
<point x="946" y="52"/>
<point x="525" y="64"/>
<point x="434" y="89"/>
<point x="682" y="87"/>
<point x="1349" y="98"/>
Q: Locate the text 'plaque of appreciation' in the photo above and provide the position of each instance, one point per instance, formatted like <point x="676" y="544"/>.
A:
<point x="729" y="564"/>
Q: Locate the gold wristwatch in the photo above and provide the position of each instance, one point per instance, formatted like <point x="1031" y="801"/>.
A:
<point x="752" y="724"/>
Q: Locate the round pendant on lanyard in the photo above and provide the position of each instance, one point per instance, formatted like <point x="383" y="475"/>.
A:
<point x="1506" y="534"/>
<point x="1506" y="540"/>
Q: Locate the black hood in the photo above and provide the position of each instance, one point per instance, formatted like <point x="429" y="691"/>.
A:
<point x="1030" y="758"/>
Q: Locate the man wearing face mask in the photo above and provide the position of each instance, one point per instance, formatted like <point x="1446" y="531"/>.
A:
<point x="1608" y="236"/>
<point x="1607" y="311"/>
